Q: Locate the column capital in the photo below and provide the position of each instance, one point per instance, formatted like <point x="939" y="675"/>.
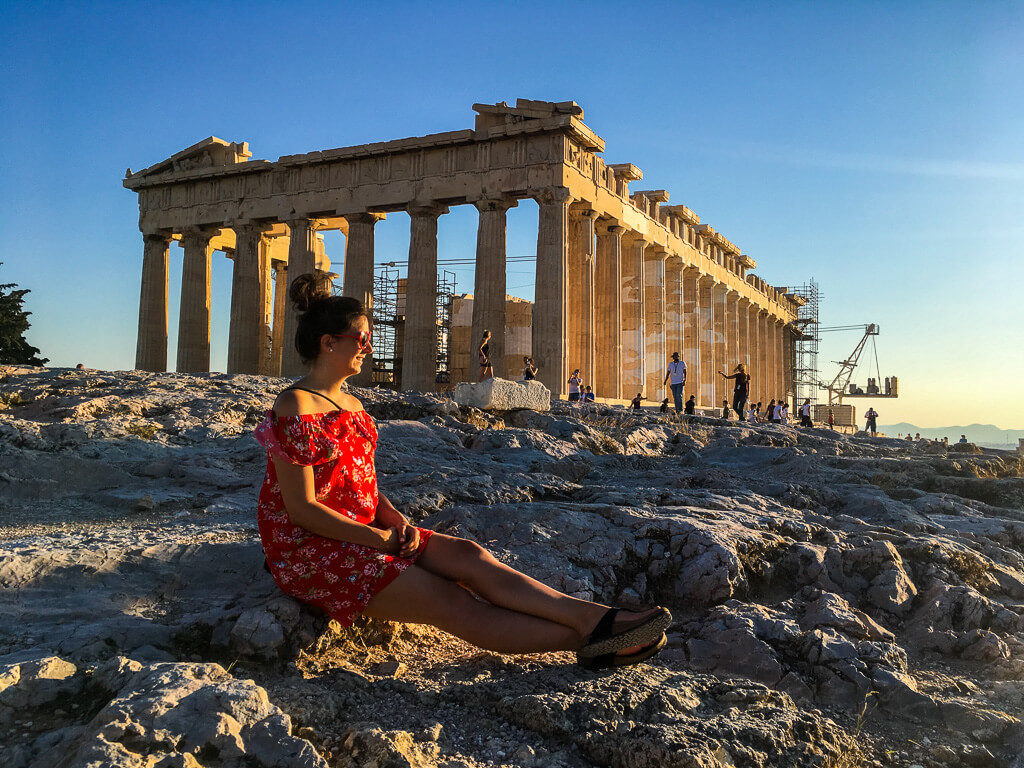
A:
<point x="551" y="195"/>
<point x="584" y="208"/>
<point x="197" y="236"/>
<point x="363" y="217"/>
<point x="495" y="203"/>
<point x="426" y="210"/>
<point x="609" y="227"/>
<point x="157" y="237"/>
<point x="301" y="221"/>
<point x="655" y="252"/>
<point x="250" y="225"/>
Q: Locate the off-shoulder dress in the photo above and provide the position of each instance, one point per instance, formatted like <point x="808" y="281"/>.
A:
<point x="337" y="576"/>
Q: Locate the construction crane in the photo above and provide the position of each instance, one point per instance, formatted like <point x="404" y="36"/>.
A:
<point x="841" y="386"/>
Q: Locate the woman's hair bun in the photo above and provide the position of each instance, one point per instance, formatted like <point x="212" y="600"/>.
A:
<point x="306" y="290"/>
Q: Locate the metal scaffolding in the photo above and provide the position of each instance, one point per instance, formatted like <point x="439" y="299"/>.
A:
<point x="445" y="296"/>
<point x="389" y="324"/>
<point x="805" y="363"/>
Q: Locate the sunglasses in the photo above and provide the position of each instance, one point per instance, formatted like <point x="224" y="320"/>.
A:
<point x="363" y="338"/>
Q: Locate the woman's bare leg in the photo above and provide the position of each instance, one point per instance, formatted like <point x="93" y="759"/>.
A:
<point x="466" y="562"/>
<point x="418" y="596"/>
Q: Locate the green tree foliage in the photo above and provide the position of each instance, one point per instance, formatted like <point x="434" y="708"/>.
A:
<point x="14" y="349"/>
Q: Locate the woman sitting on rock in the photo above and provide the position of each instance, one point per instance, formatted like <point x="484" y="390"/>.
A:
<point x="334" y="541"/>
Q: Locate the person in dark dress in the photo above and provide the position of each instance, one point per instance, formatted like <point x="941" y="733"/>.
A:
<point x="486" y="371"/>
<point x="741" y="388"/>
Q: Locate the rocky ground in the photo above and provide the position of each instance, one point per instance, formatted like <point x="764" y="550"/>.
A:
<point x="839" y="601"/>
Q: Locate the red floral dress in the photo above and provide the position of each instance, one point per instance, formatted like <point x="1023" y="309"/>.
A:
<point x="337" y="576"/>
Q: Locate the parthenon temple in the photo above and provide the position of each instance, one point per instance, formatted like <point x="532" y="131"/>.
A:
<point x="623" y="279"/>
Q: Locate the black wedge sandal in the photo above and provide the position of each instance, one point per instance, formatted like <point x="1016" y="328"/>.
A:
<point x="612" y="660"/>
<point x="642" y="632"/>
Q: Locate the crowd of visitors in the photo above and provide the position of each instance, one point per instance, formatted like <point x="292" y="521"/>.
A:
<point x="741" y="409"/>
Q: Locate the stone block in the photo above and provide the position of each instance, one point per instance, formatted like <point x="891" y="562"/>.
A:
<point x="503" y="395"/>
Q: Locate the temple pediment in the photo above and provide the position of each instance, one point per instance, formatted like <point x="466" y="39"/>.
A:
<point x="208" y="153"/>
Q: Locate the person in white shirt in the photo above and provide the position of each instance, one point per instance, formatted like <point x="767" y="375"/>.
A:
<point x="872" y="419"/>
<point x="575" y="382"/>
<point x="785" y="412"/>
<point x="677" y="373"/>
<point x="805" y="414"/>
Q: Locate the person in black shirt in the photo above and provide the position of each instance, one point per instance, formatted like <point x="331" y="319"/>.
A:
<point x="741" y="388"/>
<point x="691" y="406"/>
<point x="636" y="401"/>
<point x="664" y="406"/>
<point x="529" y="369"/>
<point x="486" y="370"/>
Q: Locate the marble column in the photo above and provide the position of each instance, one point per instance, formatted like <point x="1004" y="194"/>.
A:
<point x="654" y="322"/>
<point x="550" y="317"/>
<point x="587" y="291"/>
<point x="788" y="360"/>
<point x="489" y="284"/>
<point x="608" y="311"/>
<point x="632" y="302"/>
<point x="267" y="310"/>
<point x="757" y="345"/>
<point x="732" y="335"/>
<point x="419" y="349"/>
<point x="194" y="320"/>
<point x="706" y="339"/>
<point x="358" y="272"/>
<point x="765" y="358"/>
<point x="151" y="347"/>
<point x="719" y="385"/>
<point x="780" y="365"/>
<point x="358" y="275"/>
<point x="674" y="316"/>
<point x="280" y="309"/>
<point x="743" y="333"/>
<point x="691" y="346"/>
<point x="301" y="261"/>
<point x="245" y="329"/>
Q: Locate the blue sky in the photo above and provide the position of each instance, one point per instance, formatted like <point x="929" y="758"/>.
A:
<point x="873" y="146"/>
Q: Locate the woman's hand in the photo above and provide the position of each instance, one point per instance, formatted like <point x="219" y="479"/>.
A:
<point x="403" y="540"/>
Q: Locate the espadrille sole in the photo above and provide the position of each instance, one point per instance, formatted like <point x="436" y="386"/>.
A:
<point x="643" y="634"/>
<point x="615" y="660"/>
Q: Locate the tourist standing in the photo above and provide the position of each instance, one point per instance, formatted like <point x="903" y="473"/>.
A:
<point x="529" y="369"/>
<point x="872" y="418"/>
<point x="805" y="414"/>
<point x="675" y="377"/>
<point x="741" y="388"/>
<point x="783" y="411"/>
<point x="575" y="382"/>
<point x="725" y="409"/>
<point x="831" y="420"/>
<point x="486" y="371"/>
<point x="769" y="415"/>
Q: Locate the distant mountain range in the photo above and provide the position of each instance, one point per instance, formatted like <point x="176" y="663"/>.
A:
<point x="987" y="435"/>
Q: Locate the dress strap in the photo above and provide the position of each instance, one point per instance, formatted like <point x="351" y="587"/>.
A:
<point x="314" y="392"/>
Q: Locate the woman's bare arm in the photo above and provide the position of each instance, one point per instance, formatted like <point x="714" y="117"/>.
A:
<point x="299" y="493"/>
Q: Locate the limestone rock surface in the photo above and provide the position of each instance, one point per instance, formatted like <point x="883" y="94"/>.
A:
<point x="812" y="576"/>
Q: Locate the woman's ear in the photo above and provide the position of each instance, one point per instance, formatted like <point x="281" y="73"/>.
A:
<point x="326" y="343"/>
